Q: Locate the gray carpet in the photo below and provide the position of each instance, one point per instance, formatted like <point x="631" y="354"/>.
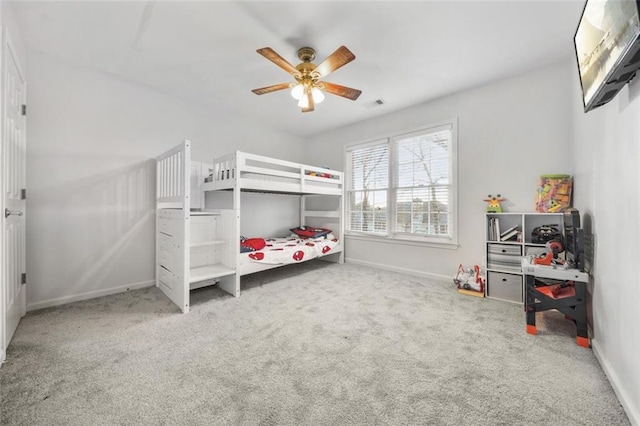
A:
<point x="308" y="344"/>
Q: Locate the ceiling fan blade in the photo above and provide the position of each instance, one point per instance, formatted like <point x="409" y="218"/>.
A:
<point x="269" y="89"/>
<point x="340" y="57"/>
<point x="311" y="106"/>
<point x="345" y="92"/>
<point x="271" y="55"/>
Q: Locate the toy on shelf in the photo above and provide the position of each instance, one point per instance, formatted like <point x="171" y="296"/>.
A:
<point x="494" y="203"/>
<point x="553" y="193"/>
<point x="554" y="248"/>
<point x="545" y="233"/>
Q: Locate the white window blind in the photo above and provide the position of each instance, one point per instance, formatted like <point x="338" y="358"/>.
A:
<point x="368" y="186"/>
<point x="422" y="186"/>
<point x="403" y="187"/>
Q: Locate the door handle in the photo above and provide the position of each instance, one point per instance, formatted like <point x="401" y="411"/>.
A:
<point x="8" y="213"/>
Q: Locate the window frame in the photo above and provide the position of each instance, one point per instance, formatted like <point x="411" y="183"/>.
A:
<point x="392" y="235"/>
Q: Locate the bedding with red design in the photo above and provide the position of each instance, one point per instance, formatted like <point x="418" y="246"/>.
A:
<point x="293" y="249"/>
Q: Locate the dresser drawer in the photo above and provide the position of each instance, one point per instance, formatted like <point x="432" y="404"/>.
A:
<point x="510" y="249"/>
<point x="165" y="278"/>
<point x="165" y="226"/>
<point x="165" y="258"/>
<point x="504" y="259"/>
<point x="165" y="242"/>
<point x="504" y="286"/>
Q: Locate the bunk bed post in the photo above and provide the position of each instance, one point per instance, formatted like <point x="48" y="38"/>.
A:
<point x="233" y="287"/>
<point x="238" y="164"/>
<point x="231" y="283"/>
<point x="341" y="225"/>
<point x="184" y="221"/>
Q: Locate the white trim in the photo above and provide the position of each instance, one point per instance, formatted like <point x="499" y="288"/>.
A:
<point x="89" y="295"/>
<point x="3" y="344"/>
<point x="399" y="270"/>
<point x="367" y="144"/>
<point x="632" y="412"/>
<point x="455" y="182"/>
<point x="415" y="241"/>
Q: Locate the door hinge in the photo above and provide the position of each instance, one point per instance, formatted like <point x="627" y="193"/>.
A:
<point x="24" y="109"/>
<point x="24" y="278"/>
<point x="23" y="194"/>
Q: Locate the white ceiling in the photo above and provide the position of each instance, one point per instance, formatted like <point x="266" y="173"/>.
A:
<point x="205" y="52"/>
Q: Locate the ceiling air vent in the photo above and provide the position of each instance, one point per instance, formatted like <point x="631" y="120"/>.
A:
<point x="376" y="103"/>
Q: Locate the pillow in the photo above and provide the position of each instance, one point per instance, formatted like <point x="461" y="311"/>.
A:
<point x="251" y="244"/>
<point x="310" y="232"/>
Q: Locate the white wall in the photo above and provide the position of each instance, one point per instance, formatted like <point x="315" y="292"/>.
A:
<point x="91" y="176"/>
<point x="606" y="150"/>
<point x="263" y="215"/>
<point x="509" y="133"/>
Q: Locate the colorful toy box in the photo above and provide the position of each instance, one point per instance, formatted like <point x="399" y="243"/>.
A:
<point x="554" y="193"/>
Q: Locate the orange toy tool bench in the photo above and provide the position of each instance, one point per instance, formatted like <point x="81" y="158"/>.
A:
<point x="568" y="297"/>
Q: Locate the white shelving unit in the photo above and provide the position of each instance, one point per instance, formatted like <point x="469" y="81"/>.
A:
<point x="208" y="249"/>
<point x="503" y="257"/>
<point x="202" y="273"/>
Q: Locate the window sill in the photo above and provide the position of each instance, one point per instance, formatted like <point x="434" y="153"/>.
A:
<point x="447" y="245"/>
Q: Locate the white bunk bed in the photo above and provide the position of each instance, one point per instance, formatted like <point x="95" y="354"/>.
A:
<point x="200" y="248"/>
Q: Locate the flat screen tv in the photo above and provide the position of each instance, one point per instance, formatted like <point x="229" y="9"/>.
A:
<point x="607" y="44"/>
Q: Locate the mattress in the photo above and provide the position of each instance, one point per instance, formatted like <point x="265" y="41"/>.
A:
<point x="281" y="251"/>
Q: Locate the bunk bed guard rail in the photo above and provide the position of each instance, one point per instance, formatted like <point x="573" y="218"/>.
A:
<point x="172" y="175"/>
<point x="260" y="172"/>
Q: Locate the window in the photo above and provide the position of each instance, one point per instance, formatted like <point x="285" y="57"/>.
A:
<point x="368" y="186"/>
<point x="403" y="187"/>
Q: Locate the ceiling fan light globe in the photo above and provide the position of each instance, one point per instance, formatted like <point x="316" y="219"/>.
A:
<point x="303" y="102"/>
<point x="297" y="91"/>
<point x="317" y="95"/>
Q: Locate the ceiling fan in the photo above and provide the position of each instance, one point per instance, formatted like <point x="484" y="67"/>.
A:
<point x="308" y="88"/>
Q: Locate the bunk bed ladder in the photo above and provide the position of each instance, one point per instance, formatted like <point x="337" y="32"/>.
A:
<point x="172" y="230"/>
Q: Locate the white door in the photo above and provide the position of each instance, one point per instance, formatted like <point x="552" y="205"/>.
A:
<point x="13" y="193"/>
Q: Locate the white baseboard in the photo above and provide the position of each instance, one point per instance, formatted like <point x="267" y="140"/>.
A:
<point x="623" y="397"/>
<point x="89" y="295"/>
<point x="400" y="270"/>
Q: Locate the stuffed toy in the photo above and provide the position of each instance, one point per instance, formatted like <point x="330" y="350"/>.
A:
<point x="494" y="203"/>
